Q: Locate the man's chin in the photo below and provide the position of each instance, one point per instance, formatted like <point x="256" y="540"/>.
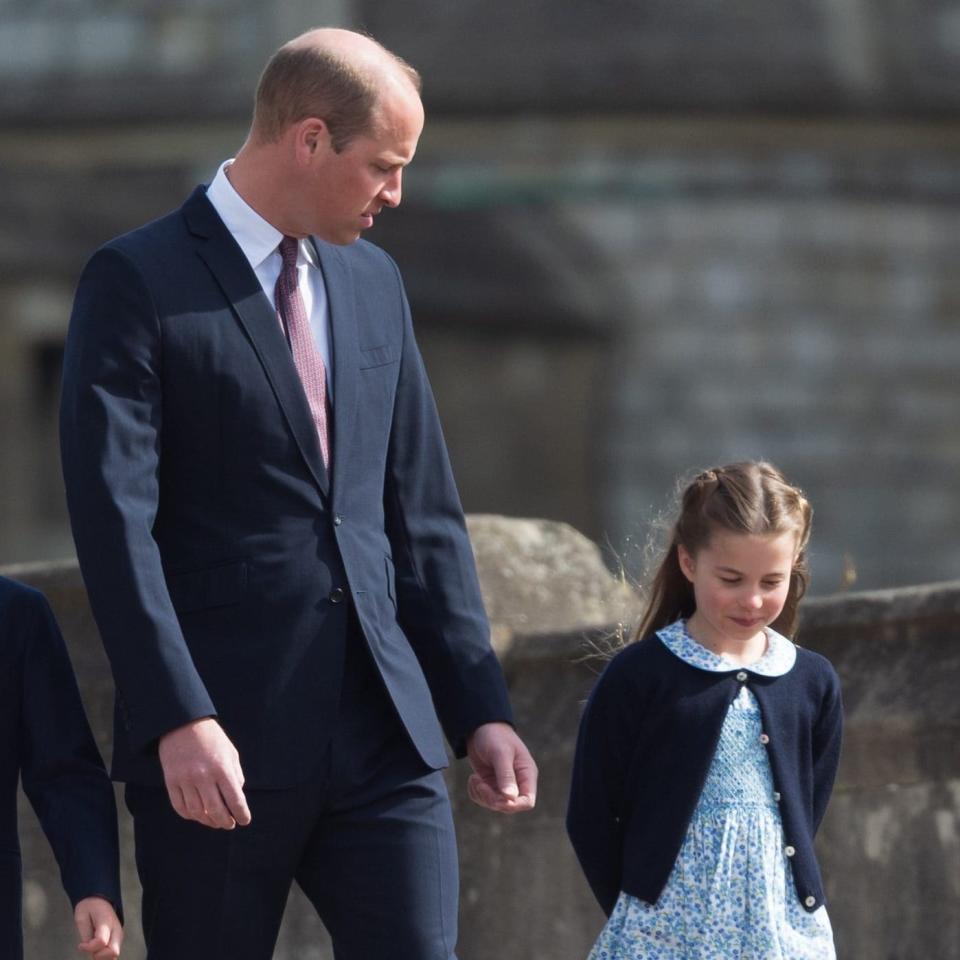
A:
<point x="341" y="239"/>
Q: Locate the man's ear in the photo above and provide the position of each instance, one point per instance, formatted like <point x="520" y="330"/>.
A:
<point x="688" y="566"/>
<point x="312" y="138"/>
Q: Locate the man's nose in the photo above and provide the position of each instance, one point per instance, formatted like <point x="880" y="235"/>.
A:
<point x="392" y="190"/>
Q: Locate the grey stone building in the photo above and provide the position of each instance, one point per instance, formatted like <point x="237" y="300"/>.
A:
<point x="638" y="238"/>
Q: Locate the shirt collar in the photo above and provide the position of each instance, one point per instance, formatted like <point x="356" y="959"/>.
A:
<point x="256" y="237"/>
<point x="779" y="658"/>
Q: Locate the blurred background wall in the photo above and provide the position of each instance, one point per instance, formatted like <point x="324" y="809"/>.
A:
<point x="638" y="237"/>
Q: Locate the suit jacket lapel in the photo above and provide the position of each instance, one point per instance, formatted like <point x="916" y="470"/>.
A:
<point x="256" y="314"/>
<point x="346" y="357"/>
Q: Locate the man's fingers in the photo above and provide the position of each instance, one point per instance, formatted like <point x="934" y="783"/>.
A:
<point x="199" y="759"/>
<point x="176" y="800"/>
<point x="232" y="791"/>
<point x="502" y="762"/>
<point x="527" y="774"/>
<point x="197" y="808"/>
<point x="193" y="802"/>
<point x="214" y="808"/>
<point x="220" y="805"/>
<point x="486" y="795"/>
<point x="507" y="783"/>
<point x="480" y="792"/>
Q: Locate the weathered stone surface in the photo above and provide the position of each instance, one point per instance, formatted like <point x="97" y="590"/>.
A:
<point x="699" y="55"/>
<point x="540" y="578"/>
<point x="138" y="61"/>
<point x="892" y="835"/>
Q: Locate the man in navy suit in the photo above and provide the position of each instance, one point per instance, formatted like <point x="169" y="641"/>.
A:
<point x="45" y="741"/>
<point x="273" y="544"/>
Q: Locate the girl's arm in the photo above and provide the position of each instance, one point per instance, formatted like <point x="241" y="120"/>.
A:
<point x="596" y="814"/>
<point x="827" y="734"/>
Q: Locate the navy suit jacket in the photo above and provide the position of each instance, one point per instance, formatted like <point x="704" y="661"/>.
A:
<point x="219" y="555"/>
<point x="46" y="740"/>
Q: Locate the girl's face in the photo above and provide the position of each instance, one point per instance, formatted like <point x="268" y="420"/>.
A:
<point x="740" y="584"/>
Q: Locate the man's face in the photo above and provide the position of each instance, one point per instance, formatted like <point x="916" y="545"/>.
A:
<point x="347" y="190"/>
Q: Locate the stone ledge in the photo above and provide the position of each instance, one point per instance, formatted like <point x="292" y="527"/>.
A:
<point x="873" y="607"/>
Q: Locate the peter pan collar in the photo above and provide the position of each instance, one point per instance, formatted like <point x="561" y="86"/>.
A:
<point x="779" y="658"/>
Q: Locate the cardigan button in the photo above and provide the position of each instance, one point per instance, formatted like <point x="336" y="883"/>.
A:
<point x="764" y="738"/>
<point x="742" y="676"/>
<point x="789" y="851"/>
<point x="776" y="795"/>
<point x="810" y="902"/>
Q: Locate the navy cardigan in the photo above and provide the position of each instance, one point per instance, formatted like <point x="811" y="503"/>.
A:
<point x="647" y="737"/>
<point x="46" y="740"/>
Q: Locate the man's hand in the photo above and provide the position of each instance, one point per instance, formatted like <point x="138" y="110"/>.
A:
<point x="201" y="769"/>
<point x="101" y="935"/>
<point x="504" y="775"/>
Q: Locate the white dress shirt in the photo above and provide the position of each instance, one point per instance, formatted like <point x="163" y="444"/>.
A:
<point x="259" y="242"/>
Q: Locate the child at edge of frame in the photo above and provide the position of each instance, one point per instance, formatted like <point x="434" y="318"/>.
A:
<point x="46" y="743"/>
<point x="708" y="748"/>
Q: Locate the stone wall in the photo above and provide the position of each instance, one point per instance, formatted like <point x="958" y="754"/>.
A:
<point x="636" y="240"/>
<point x="890" y="845"/>
<point x="820" y="56"/>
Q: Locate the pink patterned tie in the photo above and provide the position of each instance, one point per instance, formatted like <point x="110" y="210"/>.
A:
<point x="306" y="356"/>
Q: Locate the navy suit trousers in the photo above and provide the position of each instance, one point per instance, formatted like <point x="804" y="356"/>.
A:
<point x="370" y="842"/>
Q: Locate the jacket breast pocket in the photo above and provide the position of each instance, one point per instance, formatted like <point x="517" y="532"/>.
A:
<point x="376" y="357"/>
<point x="218" y="586"/>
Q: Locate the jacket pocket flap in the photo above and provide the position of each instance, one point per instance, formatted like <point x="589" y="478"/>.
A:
<point x="213" y="587"/>
<point x="376" y="357"/>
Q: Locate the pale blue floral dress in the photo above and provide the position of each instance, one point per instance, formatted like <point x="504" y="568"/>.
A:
<point x="730" y="895"/>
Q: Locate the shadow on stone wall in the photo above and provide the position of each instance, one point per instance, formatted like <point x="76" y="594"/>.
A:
<point x="890" y="846"/>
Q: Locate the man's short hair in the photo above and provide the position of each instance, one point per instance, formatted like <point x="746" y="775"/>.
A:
<point x="301" y="81"/>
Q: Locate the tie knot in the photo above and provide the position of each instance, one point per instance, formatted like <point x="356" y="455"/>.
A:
<point x="289" y="247"/>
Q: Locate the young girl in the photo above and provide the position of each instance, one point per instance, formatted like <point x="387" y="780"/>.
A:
<point x="708" y="749"/>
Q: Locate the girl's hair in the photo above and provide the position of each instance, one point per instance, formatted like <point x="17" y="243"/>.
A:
<point x="753" y="498"/>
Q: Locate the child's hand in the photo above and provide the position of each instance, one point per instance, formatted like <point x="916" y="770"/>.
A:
<point x="101" y="934"/>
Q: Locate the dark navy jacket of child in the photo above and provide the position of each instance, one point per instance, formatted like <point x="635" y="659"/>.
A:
<point x="653" y="723"/>
<point x="46" y="740"/>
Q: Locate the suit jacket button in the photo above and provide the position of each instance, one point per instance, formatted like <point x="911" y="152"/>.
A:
<point x="337" y="595"/>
